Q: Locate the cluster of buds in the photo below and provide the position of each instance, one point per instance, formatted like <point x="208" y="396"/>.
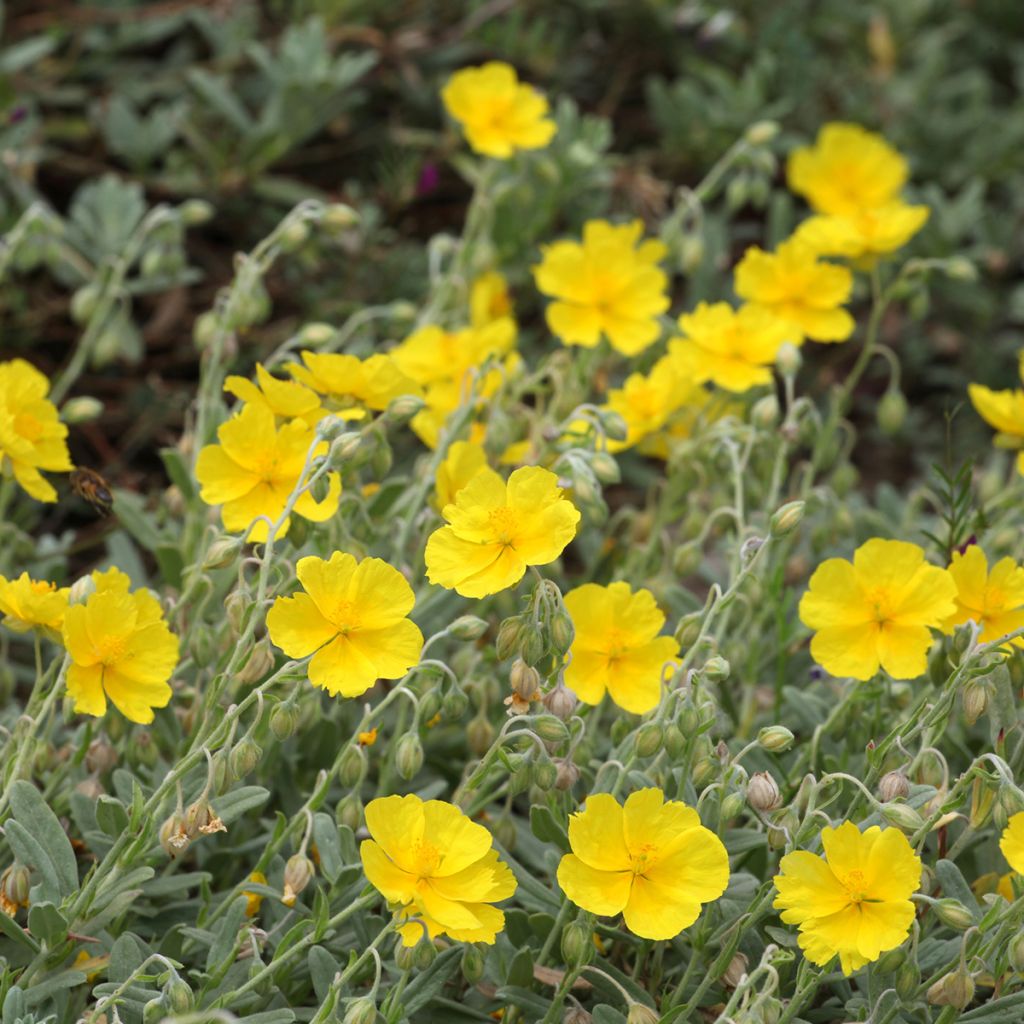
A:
<point x="181" y="828"/>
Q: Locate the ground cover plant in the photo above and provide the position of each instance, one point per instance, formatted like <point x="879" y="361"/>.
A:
<point x="511" y="520"/>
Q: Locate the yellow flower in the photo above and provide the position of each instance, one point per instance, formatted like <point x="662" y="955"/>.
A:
<point x="848" y="169"/>
<point x="608" y="286"/>
<point x="497" y="529"/>
<point x="254" y="469"/>
<point x="350" y="383"/>
<point x="733" y="348"/>
<point x="650" y="860"/>
<point x="444" y="364"/>
<point x="352" y="619"/>
<point x="1004" y="411"/>
<point x="253" y="900"/>
<point x="647" y="401"/>
<point x="852" y="178"/>
<point x="498" y="113"/>
<point x="855" y="900"/>
<point x="431" y="862"/>
<point x="1012" y="842"/>
<point x="367" y="739"/>
<point x="877" y="611"/>
<point x="793" y="285"/>
<point x="865" y="235"/>
<point x="31" y="434"/>
<point x="489" y="299"/>
<point x="994" y="600"/>
<point x="617" y="646"/>
<point x="701" y="406"/>
<point x="284" y="398"/>
<point x="33" y="604"/>
<point x="464" y="460"/>
<point x="120" y="648"/>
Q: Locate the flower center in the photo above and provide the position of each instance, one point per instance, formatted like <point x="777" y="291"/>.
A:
<point x="110" y="649"/>
<point x="428" y="860"/>
<point x="643" y="858"/>
<point x="504" y="522"/>
<point x="27" y="426"/>
<point x="855" y="886"/>
<point x="878" y="601"/>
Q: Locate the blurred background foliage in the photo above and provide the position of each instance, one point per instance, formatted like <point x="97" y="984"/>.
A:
<point x="108" y="109"/>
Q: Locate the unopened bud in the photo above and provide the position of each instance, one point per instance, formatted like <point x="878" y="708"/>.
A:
<point x="194" y="212"/>
<point x="567" y="774"/>
<point x="403" y="408"/>
<point x="891" y="412"/>
<point x="961" y="269"/>
<point x="640" y="1014"/>
<point x="763" y="792"/>
<point x="344" y="446"/>
<point x="509" y="632"/>
<point x="716" y="669"/>
<point x="605" y="468"/>
<point x="732" y="806"/>
<point x="576" y="945"/>
<point x="468" y="627"/>
<point x="614" y="425"/>
<point x="893" y="786"/>
<point x="316" y="334"/>
<point x="349" y="811"/>
<point x="765" y="413"/>
<point x="783" y="829"/>
<point x="221" y="554"/>
<point x="178" y="996"/>
<point x="472" y="964"/>
<point x="908" y="977"/>
<point x="235" y="606"/>
<point x="787" y="518"/>
<point x="788" y="360"/>
<point x="293" y="236"/>
<point x="903" y="816"/>
<point x="545" y="773"/>
<point x="298" y="873"/>
<point x="736" y="970"/>
<point x="674" y="741"/>
<point x="361" y="1011"/>
<point x="891" y="961"/>
<point x="409" y="755"/>
<point x="244" y="757"/>
<point x="550" y="729"/>
<point x="531" y="645"/>
<point x="954" y="913"/>
<point x="561" y="702"/>
<point x="454" y="704"/>
<point x="339" y="217"/>
<point x="761" y="132"/>
<point x="649" y="739"/>
<point x="352" y="767"/>
<point x="688" y="629"/>
<point x="525" y="680"/>
<point x="81" y="409"/>
<point x="1015" y="952"/>
<point x="562" y="632"/>
<point x="686" y="560"/>
<point x="284" y="720"/>
<point x="259" y="664"/>
<point x="15" y="884"/>
<point x="775" y="738"/>
<point x="101" y="756"/>
<point x="954" y="989"/>
<point x="704" y="769"/>
<point x="975" y="698"/>
<point x="479" y="734"/>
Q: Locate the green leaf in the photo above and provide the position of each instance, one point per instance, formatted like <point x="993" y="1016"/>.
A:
<point x="520" y="971"/>
<point x="111" y="815"/>
<point x="605" y="1014"/>
<point x="179" y="472"/>
<point x="547" y="829"/>
<point x="136" y="519"/>
<point x="953" y="884"/>
<point x="226" y="932"/>
<point x="1007" y="1010"/>
<point x="14" y="931"/>
<point x="524" y="999"/>
<point x="14" y="1003"/>
<point x="46" y="922"/>
<point x="48" y="985"/>
<point x="328" y="846"/>
<point x="34" y="857"/>
<point x="31" y="810"/>
<point x="322" y="969"/>
<point x="239" y="801"/>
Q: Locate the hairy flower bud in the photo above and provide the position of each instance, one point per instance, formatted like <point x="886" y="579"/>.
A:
<point x="674" y="741"/>
<point x="732" y="806"/>
<point x="954" y="989"/>
<point x="545" y="773"/>
<point x="244" y="757"/>
<point x="284" y="720"/>
<point x="472" y="964"/>
<point x="468" y="627"/>
<point x="975" y="700"/>
<point x="903" y="816"/>
<point x="525" y="680"/>
<point x="349" y="811"/>
<point x="339" y="217"/>
<point x="577" y="947"/>
<point x="763" y="792"/>
<point x="1015" y="953"/>
<point x="765" y="412"/>
<point x="775" y="738"/>
<point x="298" y="873"/>
<point x="648" y="739"/>
<point x="562" y="632"/>
<point x="178" y="996"/>
<point x="788" y="360"/>
<point x="550" y="729"/>
<point x="891" y="412"/>
<point x="787" y="518"/>
<point x="258" y="665"/>
<point x="561" y="702"/>
<point x="566" y="775"/>
<point x="15" y="884"/>
<point x="361" y="1011"/>
<point x="509" y="633"/>
<point x="479" y="734"/>
<point x="352" y="768"/>
<point x="736" y="970"/>
<point x="408" y="755"/>
<point x="716" y="669"/>
<point x="688" y="629"/>
<point x="640" y="1014"/>
<point x="174" y="836"/>
<point x="531" y="645"/>
<point x="952" y="912"/>
<point x="893" y="786"/>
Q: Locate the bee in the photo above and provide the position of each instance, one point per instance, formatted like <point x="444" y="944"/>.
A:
<point x="91" y="487"/>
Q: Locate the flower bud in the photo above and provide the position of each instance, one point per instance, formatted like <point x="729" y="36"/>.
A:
<point x="194" y="212"/>
<point x="704" y="769"/>
<point x="732" y="806"/>
<point x="244" y="757"/>
<point x="178" y="996"/>
<point x="903" y="816"/>
<point x="893" y="786"/>
<point x="788" y="360"/>
<point x="505" y="832"/>
<point x="763" y="792"/>
<point x="15" y="883"/>
<point x="787" y="518"/>
<point x="1011" y="800"/>
<point x="316" y="334"/>
<point x="775" y="738"/>
<point x="688" y="629"/>
<point x="339" y="217"/>
<point x="562" y="632"/>
<point x="258" y="665"/>
<point x="892" y="961"/>
<point x="640" y="1014"/>
<point x="101" y="756"/>
<point x="349" y="811"/>
<point x="468" y="627"/>
<point x="525" y="680"/>
<point x="81" y="590"/>
<point x="454" y="704"/>
<point x="479" y="734"/>
<point x="531" y="645"/>
<point x="577" y="1015"/>
<point x="408" y="755"/>
<point x="961" y="269"/>
<point x="567" y="774"/>
<point x="783" y="829"/>
<point x="908" y="977"/>
<point x="952" y="912"/>
<point x="577" y="947"/>
<point x="736" y="970"/>
<point x="344" y="446"/>
<point x="891" y="412"/>
<point x="174" y="836"/>
<point x="284" y="720"/>
<point x="221" y="554"/>
<point x="765" y="412"/>
<point x="403" y="408"/>
<point x="614" y="425"/>
<point x="761" y="132"/>
<point x="975" y="699"/>
<point x="81" y="409"/>
<point x="561" y="702"/>
<point x="472" y="964"/>
<point x="509" y="633"/>
<point x="361" y="1011"/>
<point x="545" y="773"/>
<point x="954" y="989"/>
<point x="648" y="739"/>
<point x="550" y="729"/>
<point x="352" y="768"/>
<point x="686" y="560"/>
<point x="404" y="958"/>
<point x="292" y="236"/>
<point x="298" y="873"/>
<point x="1015" y="953"/>
<point x="716" y="669"/>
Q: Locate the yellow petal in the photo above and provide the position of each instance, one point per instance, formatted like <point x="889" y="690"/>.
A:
<point x="596" y="834"/>
<point x="600" y="892"/>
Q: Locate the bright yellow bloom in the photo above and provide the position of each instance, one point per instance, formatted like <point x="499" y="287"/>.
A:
<point x="795" y="286"/>
<point x="854" y="901"/>
<point x="31" y="434"/>
<point x="618" y="647"/>
<point x="1004" y="411"/>
<point x="877" y="611"/>
<point x="33" y="604"/>
<point x="865" y="235"/>
<point x="445" y="363"/>
<point x="496" y="529"/>
<point x="120" y="648"/>
<point x="352" y="619"/>
<point x="351" y="384"/>
<point x="852" y="178"/>
<point x="498" y="113"/>
<point x="368" y="738"/>
<point x="430" y="862"/>
<point x="608" y="286"/>
<point x="253" y="900"/>
<point x="489" y="300"/>
<point x="285" y="398"/>
<point x="1012" y="842"/>
<point x="701" y="406"/>
<point x="650" y="860"/>
<point x="733" y="348"/>
<point x="254" y="469"/>
<point x="464" y="460"/>
<point x="994" y="600"/>
<point x="848" y="169"/>
<point x="647" y="401"/>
